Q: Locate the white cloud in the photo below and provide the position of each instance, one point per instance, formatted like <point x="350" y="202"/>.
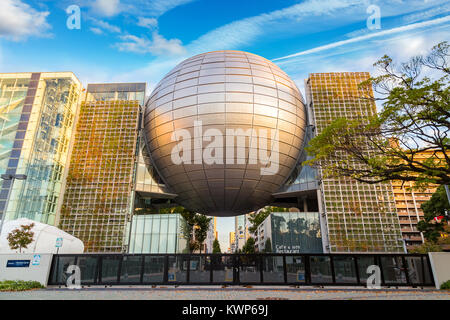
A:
<point x="360" y="56"/>
<point x="427" y="14"/>
<point x="310" y="16"/>
<point x="96" y="30"/>
<point x="243" y="32"/>
<point x="306" y="17"/>
<point x="18" y="20"/>
<point x="149" y="23"/>
<point x="106" y="26"/>
<point x="157" y="46"/>
<point x="107" y="8"/>
<point x="369" y="36"/>
<point x="154" y="8"/>
<point x="162" y="46"/>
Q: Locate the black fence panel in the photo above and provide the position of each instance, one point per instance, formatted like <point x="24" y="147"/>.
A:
<point x="242" y="269"/>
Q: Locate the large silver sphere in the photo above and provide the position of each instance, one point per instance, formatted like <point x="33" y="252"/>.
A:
<point x="225" y="90"/>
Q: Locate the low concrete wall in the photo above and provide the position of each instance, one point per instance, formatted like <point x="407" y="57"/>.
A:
<point x="26" y="266"/>
<point x="440" y="265"/>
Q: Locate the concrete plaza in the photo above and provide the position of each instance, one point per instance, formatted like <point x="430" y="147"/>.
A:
<point x="228" y="293"/>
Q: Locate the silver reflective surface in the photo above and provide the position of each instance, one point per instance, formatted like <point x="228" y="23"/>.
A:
<point x="226" y="90"/>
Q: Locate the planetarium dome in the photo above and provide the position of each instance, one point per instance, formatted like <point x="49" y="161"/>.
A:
<point x="224" y="131"/>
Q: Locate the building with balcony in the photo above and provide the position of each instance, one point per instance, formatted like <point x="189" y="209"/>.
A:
<point x="409" y="199"/>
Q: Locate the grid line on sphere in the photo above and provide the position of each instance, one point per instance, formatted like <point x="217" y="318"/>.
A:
<point x="250" y="145"/>
<point x="192" y="190"/>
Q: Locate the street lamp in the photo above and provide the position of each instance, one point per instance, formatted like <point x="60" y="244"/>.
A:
<point x="11" y="177"/>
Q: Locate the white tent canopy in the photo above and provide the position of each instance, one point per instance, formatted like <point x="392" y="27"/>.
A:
<point x="44" y="239"/>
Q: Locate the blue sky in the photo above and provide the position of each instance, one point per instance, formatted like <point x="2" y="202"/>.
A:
<point x="142" y="40"/>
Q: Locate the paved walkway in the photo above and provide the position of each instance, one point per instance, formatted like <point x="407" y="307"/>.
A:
<point x="229" y="293"/>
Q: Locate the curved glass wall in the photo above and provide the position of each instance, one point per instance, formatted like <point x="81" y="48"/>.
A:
<point x="147" y="179"/>
<point x="303" y="177"/>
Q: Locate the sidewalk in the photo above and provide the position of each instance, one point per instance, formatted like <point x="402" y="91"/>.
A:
<point x="229" y="293"/>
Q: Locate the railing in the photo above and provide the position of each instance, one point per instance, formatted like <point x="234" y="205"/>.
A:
<point x="244" y="269"/>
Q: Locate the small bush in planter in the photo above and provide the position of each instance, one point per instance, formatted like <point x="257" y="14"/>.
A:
<point x="446" y="285"/>
<point x="19" y="285"/>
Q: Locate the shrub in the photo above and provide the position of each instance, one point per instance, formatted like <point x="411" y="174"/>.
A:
<point x="19" y="285"/>
<point x="426" y="247"/>
<point x="446" y="285"/>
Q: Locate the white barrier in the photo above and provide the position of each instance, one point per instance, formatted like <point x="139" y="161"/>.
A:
<point x="44" y="240"/>
<point x="440" y="266"/>
<point x="26" y="266"/>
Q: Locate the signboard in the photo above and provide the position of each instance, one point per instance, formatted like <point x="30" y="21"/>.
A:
<point x="229" y="275"/>
<point x="287" y="249"/>
<point x="18" y="263"/>
<point x="300" y="276"/>
<point x="36" y="260"/>
<point x="59" y="242"/>
<point x="194" y="265"/>
<point x="171" y="276"/>
<point x="26" y="266"/>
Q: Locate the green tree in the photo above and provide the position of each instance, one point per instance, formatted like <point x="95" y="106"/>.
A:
<point x="249" y="246"/>
<point x="216" y="246"/>
<point x="268" y="246"/>
<point x="415" y="118"/>
<point x="258" y="217"/>
<point x="202" y="223"/>
<point x="194" y="229"/>
<point x="187" y="228"/>
<point x="426" y="247"/>
<point x="434" y="207"/>
<point x="21" y="238"/>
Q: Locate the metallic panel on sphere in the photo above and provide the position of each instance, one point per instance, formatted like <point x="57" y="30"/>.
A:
<point x="225" y="90"/>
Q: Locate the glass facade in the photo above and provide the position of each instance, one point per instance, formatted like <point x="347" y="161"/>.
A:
<point x="116" y="91"/>
<point x="38" y="112"/>
<point x="156" y="233"/>
<point x="147" y="179"/>
<point x="99" y="193"/>
<point x="99" y="199"/>
<point x="294" y="232"/>
<point x="13" y="91"/>
<point x="303" y="177"/>
<point x="256" y="269"/>
<point x="360" y="217"/>
<point x="240" y="232"/>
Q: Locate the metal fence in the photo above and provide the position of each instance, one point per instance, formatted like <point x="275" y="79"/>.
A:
<point x="243" y="269"/>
